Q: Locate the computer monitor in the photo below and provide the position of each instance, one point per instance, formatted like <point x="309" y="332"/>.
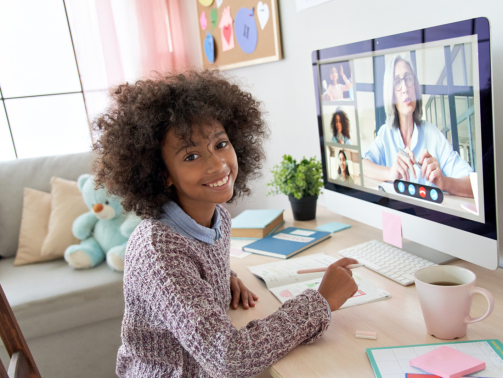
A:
<point x="406" y="127"/>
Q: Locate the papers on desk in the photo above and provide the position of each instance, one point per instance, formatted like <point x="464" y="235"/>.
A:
<point x="282" y="280"/>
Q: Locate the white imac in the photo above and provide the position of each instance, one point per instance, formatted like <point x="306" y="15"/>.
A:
<point x="406" y="127"/>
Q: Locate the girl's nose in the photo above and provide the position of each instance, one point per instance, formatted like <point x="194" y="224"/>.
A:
<point x="215" y="163"/>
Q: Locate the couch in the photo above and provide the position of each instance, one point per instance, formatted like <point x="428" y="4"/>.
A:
<point x="70" y="318"/>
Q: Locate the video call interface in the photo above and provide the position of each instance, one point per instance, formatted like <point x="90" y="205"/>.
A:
<point x="406" y="123"/>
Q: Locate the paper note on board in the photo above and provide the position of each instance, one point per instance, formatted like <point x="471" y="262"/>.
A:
<point x="203" y="21"/>
<point x="246" y="30"/>
<point x="392" y="229"/>
<point x="226" y="31"/>
<point x="213" y="16"/>
<point x="262" y="14"/>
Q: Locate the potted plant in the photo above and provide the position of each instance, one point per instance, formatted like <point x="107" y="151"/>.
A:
<point x="301" y="182"/>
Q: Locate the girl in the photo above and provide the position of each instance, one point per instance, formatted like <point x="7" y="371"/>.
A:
<point x="343" y="168"/>
<point x="175" y="149"/>
<point x="340" y="127"/>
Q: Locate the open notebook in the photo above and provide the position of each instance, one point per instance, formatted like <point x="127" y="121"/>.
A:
<point x="282" y="280"/>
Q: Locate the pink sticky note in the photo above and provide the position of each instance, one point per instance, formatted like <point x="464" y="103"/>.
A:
<point x="448" y="363"/>
<point x="392" y="229"/>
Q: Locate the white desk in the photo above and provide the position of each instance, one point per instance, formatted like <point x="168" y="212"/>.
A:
<point x="397" y="321"/>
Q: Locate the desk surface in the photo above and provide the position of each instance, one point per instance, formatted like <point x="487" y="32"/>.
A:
<point x="397" y="321"/>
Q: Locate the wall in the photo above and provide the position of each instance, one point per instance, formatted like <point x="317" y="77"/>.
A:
<point x="286" y="87"/>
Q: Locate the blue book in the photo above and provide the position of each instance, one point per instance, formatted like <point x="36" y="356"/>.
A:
<point x="287" y="242"/>
<point x="256" y="224"/>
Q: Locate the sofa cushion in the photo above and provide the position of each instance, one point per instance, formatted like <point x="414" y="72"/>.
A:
<point x="36" y="173"/>
<point x="52" y="297"/>
<point x="66" y="205"/>
<point x="34" y="223"/>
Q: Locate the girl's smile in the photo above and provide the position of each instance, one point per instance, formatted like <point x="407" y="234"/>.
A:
<point x="220" y="184"/>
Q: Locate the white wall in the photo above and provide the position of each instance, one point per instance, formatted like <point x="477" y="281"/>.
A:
<point x="286" y="87"/>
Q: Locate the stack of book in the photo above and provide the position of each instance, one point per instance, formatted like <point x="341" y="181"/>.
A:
<point x="256" y="224"/>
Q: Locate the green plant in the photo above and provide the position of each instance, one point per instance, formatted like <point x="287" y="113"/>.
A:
<point x="301" y="179"/>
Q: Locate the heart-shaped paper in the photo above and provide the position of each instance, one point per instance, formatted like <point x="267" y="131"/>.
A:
<point x="262" y="14"/>
<point x="219" y="2"/>
<point x="209" y="47"/>
<point x="203" y="21"/>
<point x="227" y="33"/>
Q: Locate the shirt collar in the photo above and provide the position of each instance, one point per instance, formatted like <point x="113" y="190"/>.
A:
<point x="180" y="221"/>
<point x="413" y="141"/>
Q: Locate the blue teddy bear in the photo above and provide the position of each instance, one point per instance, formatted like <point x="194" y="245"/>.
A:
<point x="104" y="230"/>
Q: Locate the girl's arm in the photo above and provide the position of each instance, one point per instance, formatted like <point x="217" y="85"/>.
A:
<point x="185" y="304"/>
<point x="348" y="83"/>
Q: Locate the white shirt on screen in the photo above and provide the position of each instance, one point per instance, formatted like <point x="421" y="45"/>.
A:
<point x="427" y="136"/>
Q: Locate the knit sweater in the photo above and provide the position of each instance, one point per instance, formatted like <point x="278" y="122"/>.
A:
<point x="177" y="292"/>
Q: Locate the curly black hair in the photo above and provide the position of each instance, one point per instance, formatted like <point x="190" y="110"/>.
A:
<point x="344" y="122"/>
<point x="132" y="132"/>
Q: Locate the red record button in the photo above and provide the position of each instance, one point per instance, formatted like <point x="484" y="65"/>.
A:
<point x="422" y="192"/>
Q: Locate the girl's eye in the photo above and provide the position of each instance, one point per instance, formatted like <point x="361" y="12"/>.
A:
<point x="191" y="157"/>
<point x="222" y="144"/>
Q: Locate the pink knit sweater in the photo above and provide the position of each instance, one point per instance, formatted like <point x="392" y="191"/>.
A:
<point x="177" y="292"/>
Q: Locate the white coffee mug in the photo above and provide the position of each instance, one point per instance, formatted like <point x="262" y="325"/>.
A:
<point x="446" y="309"/>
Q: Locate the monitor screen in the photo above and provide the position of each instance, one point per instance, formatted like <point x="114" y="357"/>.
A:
<point x="405" y="121"/>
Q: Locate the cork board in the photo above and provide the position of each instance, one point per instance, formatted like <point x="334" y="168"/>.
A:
<point x="256" y="20"/>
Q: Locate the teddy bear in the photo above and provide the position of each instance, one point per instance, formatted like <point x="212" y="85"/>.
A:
<point x="104" y="230"/>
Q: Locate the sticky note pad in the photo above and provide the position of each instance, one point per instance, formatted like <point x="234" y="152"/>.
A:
<point x="448" y="363"/>
<point x="392" y="229"/>
<point x="333" y="227"/>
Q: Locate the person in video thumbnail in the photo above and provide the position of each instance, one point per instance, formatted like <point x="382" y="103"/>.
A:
<point x="343" y="169"/>
<point x="425" y="145"/>
<point x="335" y="91"/>
<point x="340" y="127"/>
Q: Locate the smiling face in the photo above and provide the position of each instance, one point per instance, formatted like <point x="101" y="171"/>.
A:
<point x="405" y="97"/>
<point x="338" y="123"/>
<point x="203" y="172"/>
<point x="334" y="75"/>
<point x="342" y="162"/>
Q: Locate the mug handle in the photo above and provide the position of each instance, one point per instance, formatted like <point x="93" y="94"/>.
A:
<point x="490" y="299"/>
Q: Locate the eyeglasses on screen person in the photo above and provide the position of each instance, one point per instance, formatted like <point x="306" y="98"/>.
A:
<point x="408" y="79"/>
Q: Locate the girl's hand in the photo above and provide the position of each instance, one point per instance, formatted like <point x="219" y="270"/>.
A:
<point x="240" y="292"/>
<point x="338" y="285"/>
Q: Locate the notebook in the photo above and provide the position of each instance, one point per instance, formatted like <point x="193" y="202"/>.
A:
<point x="287" y="242"/>
<point x="390" y="362"/>
<point x="255" y="224"/>
<point x="282" y="280"/>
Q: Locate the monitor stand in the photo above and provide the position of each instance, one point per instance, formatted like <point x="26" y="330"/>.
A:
<point x="427" y="253"/>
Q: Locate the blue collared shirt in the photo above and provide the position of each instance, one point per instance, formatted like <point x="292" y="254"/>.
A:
<point x="179" y="221"/>
<point x="427" y="136"/>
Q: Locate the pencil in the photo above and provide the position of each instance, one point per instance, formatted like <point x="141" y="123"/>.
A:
<point x="317" y="270"/>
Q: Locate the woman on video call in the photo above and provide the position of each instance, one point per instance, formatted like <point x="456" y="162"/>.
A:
<point x="343" y="169"/>
<point x="423" y="142"/>
<point x="340" y="127"/>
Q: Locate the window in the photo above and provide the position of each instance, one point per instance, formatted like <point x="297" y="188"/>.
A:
<point x="43" y="109"/>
